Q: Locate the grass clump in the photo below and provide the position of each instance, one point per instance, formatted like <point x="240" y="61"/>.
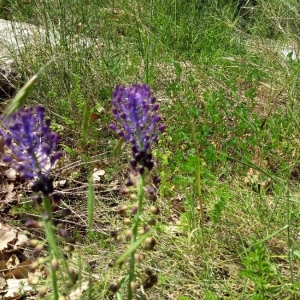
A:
<point x="228" y="160"/>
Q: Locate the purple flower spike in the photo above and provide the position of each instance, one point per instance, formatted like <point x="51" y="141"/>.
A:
<point x="32" y="143"/>
<point x="136" y="112"/>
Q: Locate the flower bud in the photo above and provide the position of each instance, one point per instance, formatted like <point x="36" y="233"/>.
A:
<point x="33" y="281"/>
<point x="151" y="190"/>
<point x="133" y="286"/>
<point x="32" y="267"/>
<point x="134" y="209"/>
<point x="70" y="240"/>
<point x="128" y="235"/>
<point x="114" y="234"/>
<point x="111" y="264"/>
<point x="37" y="199"/>
<point x="150" y="243"/>
<point x="38" y="249"/>
<point x="114" y="288"/>
<point x="156" y="180"/>
<point x="122" y="209"/>
<point x="152" y="197"/>
<point x="149" y="164"/>
<point x="33" y="224"/>
<point x="54" y="264"/>
<point x="63" y="232"/>
<point x="141" y="170"/>
<point x="41" y="260"/>
<point x="69" y="248"/>
<point x="133" y="196"/>
<point x="154" y="210"/>
<point x="126" y="221"/>
<point x="73" y="275"/>
<point x="146" y="228"/>
<point x="148" y="272"/>
<point x="138" y="257"/>
<point x="56" y="197"/>
<point x="129" y="182"/>
<point x="33" y="243"/>
<point x="125" y="191"/>
<point x="60" y="226"/>
<point x="134" y="172"/>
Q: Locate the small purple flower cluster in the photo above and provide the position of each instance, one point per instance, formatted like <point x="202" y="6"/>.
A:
<point x="136" y="111"/>
<point x="32" y="144"/>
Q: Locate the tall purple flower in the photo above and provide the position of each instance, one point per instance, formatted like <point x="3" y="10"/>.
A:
<point x="32" y="144"/>
<point x="136" y="111"/>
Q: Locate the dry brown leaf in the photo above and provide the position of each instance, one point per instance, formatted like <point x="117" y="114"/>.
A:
<point x="16" y="288"/>
<point x="59" y="183"/>
<point x="11" y="240"/>
<point x="22" y="241"/>
<point x="75" y="295"/>
<point x="7" y="193"/>
<point x="7" y="236"/>
<point x="12" y="262"/>
<point x="4" y="256"/>
<point x="96" y="175"/>
<point x="40" y="272"/>
<point x="2" y="283"/>
<point x="20" y="272"/>
<point x="11" y="174"/>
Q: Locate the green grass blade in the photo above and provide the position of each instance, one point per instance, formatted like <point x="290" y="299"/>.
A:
<point x="118" y="148"/>
<point x="90" y="203"/>
<point x="18" y="101"/>
<point x="85" y="124"/>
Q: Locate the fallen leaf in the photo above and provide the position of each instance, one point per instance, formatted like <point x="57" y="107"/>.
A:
<point x="76" y="295"/>
<point x="59" y="183"/>
<point x="2" y="283"/>
<point x="16" y="288"/>
<point x="21" y="242"/>
<point x="20" y="272"/>
<point x="7" y="235"/>
<point x="11" y="174"/>
<point x="12" y="262"/>
<point x="96" y="175"/>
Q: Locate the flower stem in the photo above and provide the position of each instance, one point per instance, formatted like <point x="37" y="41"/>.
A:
<point x="134" y="234"/>
<point x="48" y="226"/>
